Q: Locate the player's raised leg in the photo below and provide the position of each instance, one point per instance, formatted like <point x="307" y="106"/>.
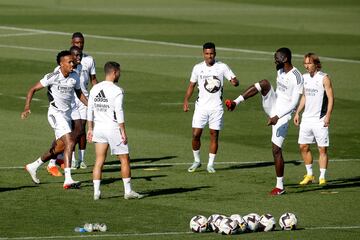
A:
<point x="196" y="144"/>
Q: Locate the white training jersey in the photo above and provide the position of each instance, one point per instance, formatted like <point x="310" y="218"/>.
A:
<point x="316" y="100"/>
<point x="61" y="89"/>
<point x="105" y="105"/>
<point x="288" y="89"/>
<point x="86" y="69"/>
<point x="210" y="81"/>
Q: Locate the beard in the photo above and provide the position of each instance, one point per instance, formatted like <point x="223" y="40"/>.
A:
<point x="279" y="66"/>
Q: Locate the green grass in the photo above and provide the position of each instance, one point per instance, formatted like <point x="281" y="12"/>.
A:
<point x="155" y="76"/>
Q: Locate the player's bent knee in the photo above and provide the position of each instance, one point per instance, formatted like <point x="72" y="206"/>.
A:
<point x="264" y="86"/>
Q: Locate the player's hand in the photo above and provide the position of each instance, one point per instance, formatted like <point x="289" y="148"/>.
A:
<point x="273" y="120"/>
<point x="89" y="136"/>
<point x="124" y="138"/>
<point x="296" y="120"/>
<point x="230" y="105"/>
<point x="25" y="114"/>
<point x="326" y="121"/>
<point x="186" y="106"/>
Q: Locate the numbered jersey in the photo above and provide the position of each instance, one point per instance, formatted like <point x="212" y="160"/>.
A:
<point x="61" y="89"/>
<point x="316" y="100"/>
<point x="210" y="82"/>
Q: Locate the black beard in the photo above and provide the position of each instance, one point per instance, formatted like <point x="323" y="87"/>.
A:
<point x="279" y="66"/>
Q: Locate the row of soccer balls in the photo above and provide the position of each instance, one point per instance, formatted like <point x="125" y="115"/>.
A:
<point x="238" y="224"/>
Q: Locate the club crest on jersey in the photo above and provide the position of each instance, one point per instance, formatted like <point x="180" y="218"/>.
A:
<point x="212" y="84"/>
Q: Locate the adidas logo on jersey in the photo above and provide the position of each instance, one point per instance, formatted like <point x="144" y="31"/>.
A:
<point x="100" y="97"/>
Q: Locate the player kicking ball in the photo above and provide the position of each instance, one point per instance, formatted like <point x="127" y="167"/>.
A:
<point x="278" y="105"/>
<point x="61" y="86"/>
<point x="106" y="128"/>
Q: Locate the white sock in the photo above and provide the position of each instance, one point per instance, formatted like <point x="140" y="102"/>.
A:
<point x="36" y="164"/>
<point x="68" y="174"/>
<point x="309" y="170"/>
<point x="127" y="185"/>
<point x="196" y="154"/>
<point x="81" y="155"/>
<point x="52" y="163"/>
<point x="322" y="172"/>
<point x="96" y="186"/>
<point x="239" y="99"/>
<point x="279" y="182"/>
<point x="211" y="159"/>
<point x="73" y="156"/>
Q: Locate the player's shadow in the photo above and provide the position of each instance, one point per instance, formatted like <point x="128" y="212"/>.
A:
<point x="117" y="168"/>
<point x="331" y="185"/>
<point x="256" y="165"/>
<point x="169" y="191"/>
<point x="111" y="180"/>
<point x="7" y="189"/>
<point x="134" y="160"/>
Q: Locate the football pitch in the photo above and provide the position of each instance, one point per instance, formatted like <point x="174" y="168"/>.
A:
<point x="157" y="43"/>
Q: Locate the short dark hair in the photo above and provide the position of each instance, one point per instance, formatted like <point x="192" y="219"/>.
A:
<point x="111" y="66"/>
<point x="285" y="52"/>
<point x="75" y="48"/>
<point x="62" y="54"/>
<point x="77" y="35"/>
<point x="209" y="45"/>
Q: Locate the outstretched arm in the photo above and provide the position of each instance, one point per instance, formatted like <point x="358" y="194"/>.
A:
<point x="188" y="94"/>
<point x="330" y="95"/>
<point x="29" y="97"/>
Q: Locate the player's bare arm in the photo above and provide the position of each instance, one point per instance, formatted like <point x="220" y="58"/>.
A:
<point x="123" y="133"/>
<point x="89" y="135"/>
<point x="298" y="110"/>
<point x="29" y="97"/>
<point x="81" y="96"/>
<point x="188" y="94"/>
<point x="93" y="80"/>
<point x="330" y="95"/>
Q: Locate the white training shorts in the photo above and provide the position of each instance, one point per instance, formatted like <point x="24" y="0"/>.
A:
<point x="111" y="137"/>
<point x="202" y="117"/>
<point x="79" y="111"/>
<point x="60" y="121"/>
<point x="280" y="129"/>
<point x="314" y="133"/>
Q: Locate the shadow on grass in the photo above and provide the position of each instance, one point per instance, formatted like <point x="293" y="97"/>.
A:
<point x="169" y="191"/>
<point x="107" y="181"/>
<point x="134" y="160"/>
<point x="7" y="189"/>
<point x="258" y="165"/>
<point x="331" y="185"/>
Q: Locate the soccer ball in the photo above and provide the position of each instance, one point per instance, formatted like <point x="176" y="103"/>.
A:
<point x="212" y="84"/>
<point x="216" y="223"/>
<point x="241" y="222"/>
<point x="101" y="227"/>
<point x="252" y="220"/>
<point x="88" y="227"/>
<point x="228" y="226"/>
<point x="211" y="222"/>
<point x="266" y="223"/>
<point x="198" y="224"/>
<point x="288" y="221"/>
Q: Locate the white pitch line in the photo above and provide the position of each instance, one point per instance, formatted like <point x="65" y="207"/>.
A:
<point x="187" y="163"/>
<point x="123" y="235"/>
<point x="140" y="55"/>
<point x="18" y="34"/>
<point x="169" y="43"/>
